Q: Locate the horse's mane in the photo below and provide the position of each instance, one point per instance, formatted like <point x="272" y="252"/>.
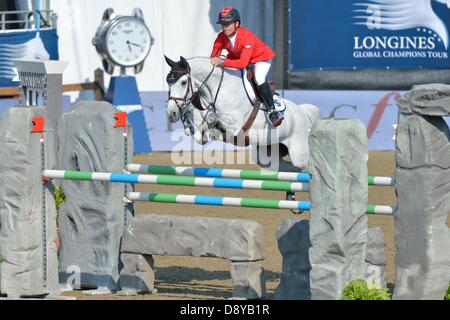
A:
<point x="205" y="59"/>
<point x="231" y="73"/>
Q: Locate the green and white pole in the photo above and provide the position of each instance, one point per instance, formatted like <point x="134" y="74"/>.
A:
<point x="220" y="173"/>
<point x="376" y="209"/>
<point x="238" y="202"/>
<point x="219" y="201"/>
<point x="239" y="174"/>
<point x="177" y="180"/>
<point x="381" y="181"/>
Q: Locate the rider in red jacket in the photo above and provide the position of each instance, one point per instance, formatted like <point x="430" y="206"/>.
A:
<point x="245" y="48"/>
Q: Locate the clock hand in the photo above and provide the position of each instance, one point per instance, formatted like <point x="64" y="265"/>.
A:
<point x="129" y="47"/>
<point x="134" y="44"/>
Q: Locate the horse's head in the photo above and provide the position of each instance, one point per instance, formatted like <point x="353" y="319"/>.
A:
<point x="181" y="90"/>
<point x="180" y="87"/>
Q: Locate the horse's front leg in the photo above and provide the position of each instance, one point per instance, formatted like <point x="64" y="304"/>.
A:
<point x="199" y="127"/>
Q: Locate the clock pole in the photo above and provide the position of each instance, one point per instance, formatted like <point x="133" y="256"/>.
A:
<point x="123" y="93"/>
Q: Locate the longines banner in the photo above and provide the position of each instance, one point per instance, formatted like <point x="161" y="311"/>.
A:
<point x="356" y="34"/>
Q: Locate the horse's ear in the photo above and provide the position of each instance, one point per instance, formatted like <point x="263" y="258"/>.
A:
<point x="170" y="62"/>
<point x="184" y="63"/>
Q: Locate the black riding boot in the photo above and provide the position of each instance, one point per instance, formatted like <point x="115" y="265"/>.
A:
<point x="275" y="117"/>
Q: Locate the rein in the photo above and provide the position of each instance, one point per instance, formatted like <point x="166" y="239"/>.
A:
<point x="195" y="97"/>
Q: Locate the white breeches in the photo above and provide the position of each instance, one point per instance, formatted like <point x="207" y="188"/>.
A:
<point x="261" y="71"/>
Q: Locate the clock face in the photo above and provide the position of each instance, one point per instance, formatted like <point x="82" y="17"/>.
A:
<point x="128" y="42"/>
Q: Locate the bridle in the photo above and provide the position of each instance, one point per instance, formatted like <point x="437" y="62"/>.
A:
<point x="194" y="98"/>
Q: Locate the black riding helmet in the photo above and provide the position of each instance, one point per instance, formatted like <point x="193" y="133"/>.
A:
<point x="228" y="15"/>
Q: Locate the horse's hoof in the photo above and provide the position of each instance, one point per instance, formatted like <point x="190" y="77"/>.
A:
<point x="297" y="212"/>
<point x="215" y="135"/>
<point x="211" y="119"/>
<point x="290" y="196"/>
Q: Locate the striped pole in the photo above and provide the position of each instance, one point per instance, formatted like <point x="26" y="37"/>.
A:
<point x="240" y="174"/>
<point x="219" y="201"/>
<point x="376" y="209"/>
<point x="220" y="173"/>
<point x="178" y="181"/>
<point x="381" y="181"/>
<point x="238" y="202"/>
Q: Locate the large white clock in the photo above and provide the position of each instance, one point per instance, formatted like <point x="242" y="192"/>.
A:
<point x="123" y="41"/>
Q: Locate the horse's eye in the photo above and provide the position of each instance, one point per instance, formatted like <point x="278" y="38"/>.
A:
<point x="184" y="82"/>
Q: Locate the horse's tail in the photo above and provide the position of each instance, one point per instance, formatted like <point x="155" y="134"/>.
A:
<point x="312" y="111"/>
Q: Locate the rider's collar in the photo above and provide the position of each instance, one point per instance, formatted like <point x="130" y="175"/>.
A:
<point x="233" y="37"/>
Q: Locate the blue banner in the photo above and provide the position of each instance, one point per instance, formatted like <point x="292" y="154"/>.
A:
<point x="361" y="34"/>
<point x="25" y="45"/>
<point x="378" y="110"/>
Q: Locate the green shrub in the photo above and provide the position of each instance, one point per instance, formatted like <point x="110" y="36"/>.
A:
<point x="59" y="197"/>
<point x="360" y="290"/>
<point x="447" y="295"/>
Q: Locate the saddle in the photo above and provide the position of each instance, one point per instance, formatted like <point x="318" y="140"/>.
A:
<point x="259" y="99"/>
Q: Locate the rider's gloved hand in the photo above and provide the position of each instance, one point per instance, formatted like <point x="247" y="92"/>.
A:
<point x="216" y="61"/>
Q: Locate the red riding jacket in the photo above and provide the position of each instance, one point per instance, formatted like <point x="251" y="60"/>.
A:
<point x="248" y="49"/>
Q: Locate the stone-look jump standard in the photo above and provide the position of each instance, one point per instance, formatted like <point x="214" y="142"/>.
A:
<point x="237" y="240"/>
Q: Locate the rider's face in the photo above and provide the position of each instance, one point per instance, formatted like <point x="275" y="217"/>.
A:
<point x="230" y="29"/>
